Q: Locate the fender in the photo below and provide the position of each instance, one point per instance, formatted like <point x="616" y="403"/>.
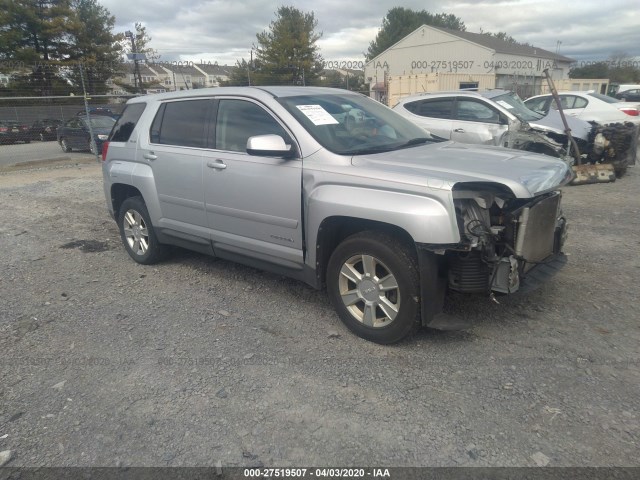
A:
<point x="140" y="176"/>
<point x="426" y="219"/>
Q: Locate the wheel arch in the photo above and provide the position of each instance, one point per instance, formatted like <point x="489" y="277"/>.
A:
<point x="333" y="209"/>
<point x="119" y="193"/>
<point x="333" y="230"/>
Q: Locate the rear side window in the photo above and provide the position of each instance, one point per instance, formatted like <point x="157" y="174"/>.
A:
<point x="181" y="123"/>
<point x="127" y="122"/>
<point x="437" y="108"/>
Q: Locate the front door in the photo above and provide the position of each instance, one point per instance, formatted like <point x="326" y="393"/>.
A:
<point x="253" y="203"/>
<point x="478" y="123"/>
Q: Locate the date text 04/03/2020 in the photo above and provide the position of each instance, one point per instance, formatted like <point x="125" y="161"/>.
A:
<point x="317" y="472"/>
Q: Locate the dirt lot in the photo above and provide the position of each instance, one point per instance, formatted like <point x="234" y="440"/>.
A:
<point x="197" y="361"/>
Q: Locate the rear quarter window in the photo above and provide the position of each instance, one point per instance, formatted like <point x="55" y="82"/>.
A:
<point x="127" y="122"/>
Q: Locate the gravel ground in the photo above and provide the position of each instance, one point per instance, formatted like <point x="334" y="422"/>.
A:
<point x="197" y="361"/>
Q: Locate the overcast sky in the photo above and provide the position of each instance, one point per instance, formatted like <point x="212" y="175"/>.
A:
<point x="224" y="31"/>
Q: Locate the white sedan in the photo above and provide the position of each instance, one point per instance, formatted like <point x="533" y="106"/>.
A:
<point x="588" y="106"/>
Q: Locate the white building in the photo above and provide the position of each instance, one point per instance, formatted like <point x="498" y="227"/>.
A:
<point x="466" y="59"/>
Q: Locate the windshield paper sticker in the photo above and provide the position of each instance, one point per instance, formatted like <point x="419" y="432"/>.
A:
<point x="504" y="104"/>
<point x="317" y="114"/>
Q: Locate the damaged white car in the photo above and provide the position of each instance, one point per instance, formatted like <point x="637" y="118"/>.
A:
<point x="499" y="117"/>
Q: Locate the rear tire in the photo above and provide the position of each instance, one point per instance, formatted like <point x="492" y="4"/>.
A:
<point x="64" y="145"/>
<point x="137" y="233"/>
<point x="373" y="283"/>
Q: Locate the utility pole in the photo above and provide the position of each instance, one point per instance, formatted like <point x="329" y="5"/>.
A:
<point x="137" y="78"/>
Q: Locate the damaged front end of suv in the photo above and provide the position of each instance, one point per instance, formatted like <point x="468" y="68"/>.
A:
<point x="505" y="240"/>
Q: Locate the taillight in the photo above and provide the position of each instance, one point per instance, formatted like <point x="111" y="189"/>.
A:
<point x="630" y="111"/>
<point x="105" y="147"/>
<point x="4" y="129"/>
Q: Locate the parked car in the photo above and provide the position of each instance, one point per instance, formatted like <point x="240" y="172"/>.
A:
<point x="499" y="117"/>
<point x="492" y="117"/>
<point x="588" y="106"/>
<point x="96" y="111"/>
<point x="74" y="134"/>
<point x="629" y="95"/>
<point x="45" y="129"/>
<point x="12" y="132"/>
<point x="387" y="218"/>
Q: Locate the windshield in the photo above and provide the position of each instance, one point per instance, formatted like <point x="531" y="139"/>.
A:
<point x="604" y="98"/>
<point x="102" y="122"/>
<point x="350" y="124"/>
<point x="512" y="102"/>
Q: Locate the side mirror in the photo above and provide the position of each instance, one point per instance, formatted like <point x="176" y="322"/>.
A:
<point x="269" y="146"/>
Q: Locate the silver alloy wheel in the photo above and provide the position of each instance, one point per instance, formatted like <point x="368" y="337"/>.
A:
<point x="369" y="291"/>
<point x="64" y="145"/>
<point x="92" y="147"/>
<point x="135" y="232"/>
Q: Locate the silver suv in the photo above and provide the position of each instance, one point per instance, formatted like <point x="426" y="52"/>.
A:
<point x="382" y="214"/>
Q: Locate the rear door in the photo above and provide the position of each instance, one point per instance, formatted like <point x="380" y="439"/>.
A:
<point x="173" y="150"/>
<point x="572" y="104"/>
<point x="253" y="203"/>
<point x="434" y="115"/>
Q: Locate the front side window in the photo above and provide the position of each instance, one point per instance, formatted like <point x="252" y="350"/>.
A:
<point x="472" y="111"/>
<point x="514" y="104"/>
<point x="181" y="123"/>
<point x="238" y="120"/>
<point x="538" y="104"/>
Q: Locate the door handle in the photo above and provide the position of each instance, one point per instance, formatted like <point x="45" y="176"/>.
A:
<point x="218" y="164"/>
<point x="150" y="156"/>
<point x="459" y="130"/>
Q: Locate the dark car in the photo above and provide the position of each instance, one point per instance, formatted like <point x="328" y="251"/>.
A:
<point x="12" y="132"/>
<point x="45" y="129"/>
<point x="629" y="95"/>
<point x="74" y="134"/>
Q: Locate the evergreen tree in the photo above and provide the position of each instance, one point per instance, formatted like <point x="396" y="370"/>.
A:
<point x="288" y="52"/>
<point x="50" y="38"/>
<point x="400" y="22"/>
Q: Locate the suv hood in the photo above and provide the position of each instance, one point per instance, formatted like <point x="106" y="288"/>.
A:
<point x="552" y="122"/>
<point x="525" y="174"/>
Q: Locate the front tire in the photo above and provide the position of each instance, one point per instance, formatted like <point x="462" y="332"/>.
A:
<point x="374" y="284"/>
<point x="137" y="234"/>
